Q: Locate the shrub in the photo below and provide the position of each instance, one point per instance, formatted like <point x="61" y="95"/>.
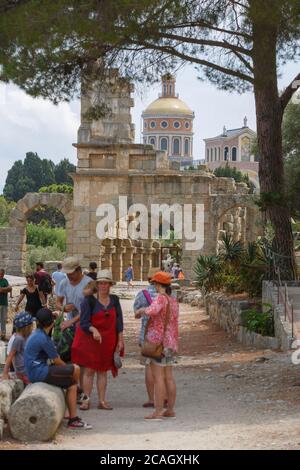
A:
<point x="40" y="253"/>
<point x="258" y="321"/>
<point x="5" y="209"/>
<point x="231" y="251"/>
<point x="237" y="175"/>
<point x="44" y="236"/>
<point x="232" y="283"/>
<point x="208" y="271"/>
<point x="57" y="188"/>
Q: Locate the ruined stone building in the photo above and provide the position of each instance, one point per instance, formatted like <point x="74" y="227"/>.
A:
<point x="109" y="166"/>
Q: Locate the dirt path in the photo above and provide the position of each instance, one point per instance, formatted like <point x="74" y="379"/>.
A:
<point x="229" y="397"/>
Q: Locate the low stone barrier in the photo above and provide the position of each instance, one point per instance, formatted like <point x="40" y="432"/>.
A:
<point x="37" y="413"/>
<point x="10" y="390"/>
<point x="227" y="313"/>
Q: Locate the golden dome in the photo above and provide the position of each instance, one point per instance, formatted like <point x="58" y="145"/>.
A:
<point x="171" y="106"/>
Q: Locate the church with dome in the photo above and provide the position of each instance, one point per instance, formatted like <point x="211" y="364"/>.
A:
<point x="168" y="124"/>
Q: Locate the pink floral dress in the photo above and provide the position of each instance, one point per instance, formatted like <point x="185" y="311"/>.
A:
<point x="157" y="312"/>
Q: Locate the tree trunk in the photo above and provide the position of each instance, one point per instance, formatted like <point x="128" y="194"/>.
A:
<point x="269" y="115"/>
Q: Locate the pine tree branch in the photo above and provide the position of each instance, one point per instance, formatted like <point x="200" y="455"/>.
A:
<point x="205" y="24"/>
<point x="173" y="52"/>
<point x="207" y="42"/>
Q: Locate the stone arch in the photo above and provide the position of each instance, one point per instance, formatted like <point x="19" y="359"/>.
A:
<point x="16" y="261"/>
<point x="238" y="215"/>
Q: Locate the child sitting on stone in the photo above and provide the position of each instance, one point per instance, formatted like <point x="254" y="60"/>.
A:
<point x="23" y="324"/>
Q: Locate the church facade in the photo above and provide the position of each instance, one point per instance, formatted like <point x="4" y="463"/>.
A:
<point x="233" y="148"/>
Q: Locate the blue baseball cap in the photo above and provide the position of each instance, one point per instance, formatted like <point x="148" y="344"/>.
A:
<point x="23" y="319"/>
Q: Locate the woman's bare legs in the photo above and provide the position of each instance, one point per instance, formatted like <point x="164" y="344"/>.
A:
<point x="159" y="390"/>
<point x="149" y="380"/>
<point x="101" y="386"/>
<point x="171" y="390"/>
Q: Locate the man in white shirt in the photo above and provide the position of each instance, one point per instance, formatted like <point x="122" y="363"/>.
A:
<point x="70" y="292"/>
<point x="57" y="277"/>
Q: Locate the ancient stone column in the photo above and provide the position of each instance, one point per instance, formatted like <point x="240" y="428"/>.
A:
<point x="147" y="254"/>
<point x="137" y="260"/>
<point x="37" y="413"/>
<point x="117" y="261"/>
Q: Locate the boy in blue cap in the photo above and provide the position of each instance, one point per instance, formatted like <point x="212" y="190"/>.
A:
<point x="23" y="324"/>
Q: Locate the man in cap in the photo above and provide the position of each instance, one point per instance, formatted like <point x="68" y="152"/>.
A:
<point x="39" y="350"/>
<point x="70" y="291"/>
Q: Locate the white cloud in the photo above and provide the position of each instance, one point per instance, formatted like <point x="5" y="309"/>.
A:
<point x="36" y="125"/>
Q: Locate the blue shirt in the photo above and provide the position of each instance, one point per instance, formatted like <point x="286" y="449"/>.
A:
<point x="73" y="294"/>
<point x="141" y="302"/>
<point x="39" y="348"/>
<point x="58" y="276"/>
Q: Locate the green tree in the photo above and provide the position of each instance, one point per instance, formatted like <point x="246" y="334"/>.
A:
<point x="291" y="129"/>
<point x="291" y="149"/>
<point x="234" y="173"/>
<point x="17" y="183"/>
<point x="35" y="173"/>
<point x="236" y="44"/>
<point x="5" y="210"/>
<point x="62" y="171"/>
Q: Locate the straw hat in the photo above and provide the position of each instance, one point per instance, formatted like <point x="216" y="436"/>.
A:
<point x="162" y="278"/>
<point x="106" y="276"/>
<point x="71" y="264"/>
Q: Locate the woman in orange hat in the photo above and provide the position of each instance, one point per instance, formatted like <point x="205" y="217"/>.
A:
<point x="163" y="329"/>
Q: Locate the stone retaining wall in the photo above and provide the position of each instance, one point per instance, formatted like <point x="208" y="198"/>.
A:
<point x="227" y="313"/>
<point x="283" y="328"/>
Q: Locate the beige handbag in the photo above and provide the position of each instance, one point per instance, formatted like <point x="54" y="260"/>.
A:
<point x="152" y="350"/>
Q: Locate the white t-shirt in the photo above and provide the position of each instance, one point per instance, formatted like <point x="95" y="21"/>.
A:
<point x="73" y="294"/>
<point x="57" y="277"/>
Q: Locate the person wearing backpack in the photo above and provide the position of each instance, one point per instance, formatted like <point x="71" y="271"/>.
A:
<point x="43" y="280"/>
<point x="143" y="299"/>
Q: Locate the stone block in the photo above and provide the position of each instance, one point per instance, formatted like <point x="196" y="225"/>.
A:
<point x="37" y="413"/>
<point x="10" y="390"/>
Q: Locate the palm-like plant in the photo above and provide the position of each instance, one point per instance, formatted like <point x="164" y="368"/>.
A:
<point x="231" y="251"/>
<point x="207" y="270"/>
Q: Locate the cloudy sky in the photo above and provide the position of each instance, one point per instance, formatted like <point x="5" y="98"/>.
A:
<point x="36" y="125"/>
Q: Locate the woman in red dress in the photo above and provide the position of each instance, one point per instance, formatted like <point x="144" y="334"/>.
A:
<point x="97" y="338"/>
